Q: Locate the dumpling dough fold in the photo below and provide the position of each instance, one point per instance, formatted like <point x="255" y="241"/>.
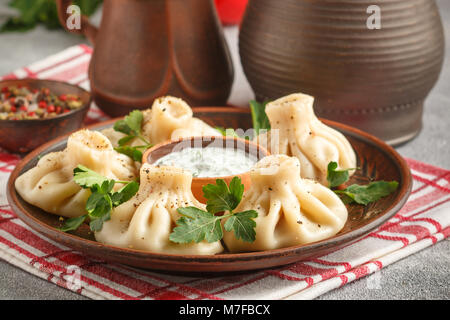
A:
<point x="296" y="131"/>
<point x="146" y="220"/>
<point x="169" y="118"/>
<point x="291" y="210"/>
<point x="50" y="184"/>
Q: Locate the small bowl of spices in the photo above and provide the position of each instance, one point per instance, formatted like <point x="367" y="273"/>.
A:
<point x="34" y="111"/>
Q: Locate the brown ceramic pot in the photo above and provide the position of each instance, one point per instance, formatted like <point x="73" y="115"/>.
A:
<point x="373" y="79"/>
<point x="147" y="49"/>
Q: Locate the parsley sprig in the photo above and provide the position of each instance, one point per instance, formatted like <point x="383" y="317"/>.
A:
<point x="230" y="132"/>
<point x="259" y="119"/>
<point x="259" y="116"/>
<point x="337" y="177"/>
<point x="360" y="194"/>
<point x="367" y="193"/>
<point x="102" y="199"/>
<point x="197" y="225"/>
<point x="131" y="126"/>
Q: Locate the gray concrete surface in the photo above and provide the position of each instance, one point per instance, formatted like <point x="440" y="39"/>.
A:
<point x="424" y="275"/>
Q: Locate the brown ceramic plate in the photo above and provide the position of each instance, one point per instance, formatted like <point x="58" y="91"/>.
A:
<point x="376" y="160"/>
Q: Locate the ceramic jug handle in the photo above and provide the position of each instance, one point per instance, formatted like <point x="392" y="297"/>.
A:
<point x="86" y="27"/>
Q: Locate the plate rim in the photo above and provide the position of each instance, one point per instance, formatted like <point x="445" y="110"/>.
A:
<point x="347" y="238"/>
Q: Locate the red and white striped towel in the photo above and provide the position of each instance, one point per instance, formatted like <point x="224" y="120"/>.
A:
<point x="423" y="221"/>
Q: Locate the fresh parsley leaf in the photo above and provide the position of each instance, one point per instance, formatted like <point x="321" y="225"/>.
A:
<point x="259" y="116"/>
<point x="368" y="193"/>
<point x="73" y="223"/>
<point x="131" y="124"/>
<point x="131" y="127"/>
<point x="125" y="193"/>
<point x="106" y="186"/>
<point x="197" y="225"/>
<point x="243" y="225"/>
<point x="134" y="121"/>
<point x="102" y="199"/>
<point x="133" y="152"/>
<point x="236" y="190"/>
<point x="360" y="194"/>
<point x="223" y="131"/>
<point x="230" y="132"/>
<point x="337" y="177"/>
<point x="122" y="126"/>
<point x="125" y="140"/>
<point x="220" y="197"/>
<point x="98" y="204"/>
<point x="96" y="224"/>
<point x="86" y="177"/>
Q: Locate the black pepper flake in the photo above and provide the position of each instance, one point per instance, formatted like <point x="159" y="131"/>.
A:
<point x="299" y="222"/>
<point x="318" y="225"/>
<point x="270" y="189"/>
<point x="40" y="187"/>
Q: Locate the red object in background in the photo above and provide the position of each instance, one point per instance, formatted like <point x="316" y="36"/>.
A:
<point x="231" y="11"/>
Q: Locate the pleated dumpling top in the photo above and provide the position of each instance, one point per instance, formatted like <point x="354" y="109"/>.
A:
<point x="146" y="221"/>
<point x="291" y="210"/>
<point x="296" y="131"/>
<point x="50" y="186"/>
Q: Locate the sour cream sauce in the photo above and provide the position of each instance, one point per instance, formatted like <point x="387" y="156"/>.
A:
<point x="210" y="162"/>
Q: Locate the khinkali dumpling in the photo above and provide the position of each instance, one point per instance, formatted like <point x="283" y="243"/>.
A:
<point x="146" y="221"/>
<point x="50" y="184"/>
<point x="291" y="210"/>
<point x="172" y="118"/>
<point x="169" y="118"/>
<point x="296" y="131"/>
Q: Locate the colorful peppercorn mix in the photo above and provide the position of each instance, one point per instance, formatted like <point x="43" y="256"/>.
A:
<point x="23" y="103"/>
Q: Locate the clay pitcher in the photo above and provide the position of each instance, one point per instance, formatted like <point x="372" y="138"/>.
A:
<point x="147" y="49"/>
<point x="370" y="78"/>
